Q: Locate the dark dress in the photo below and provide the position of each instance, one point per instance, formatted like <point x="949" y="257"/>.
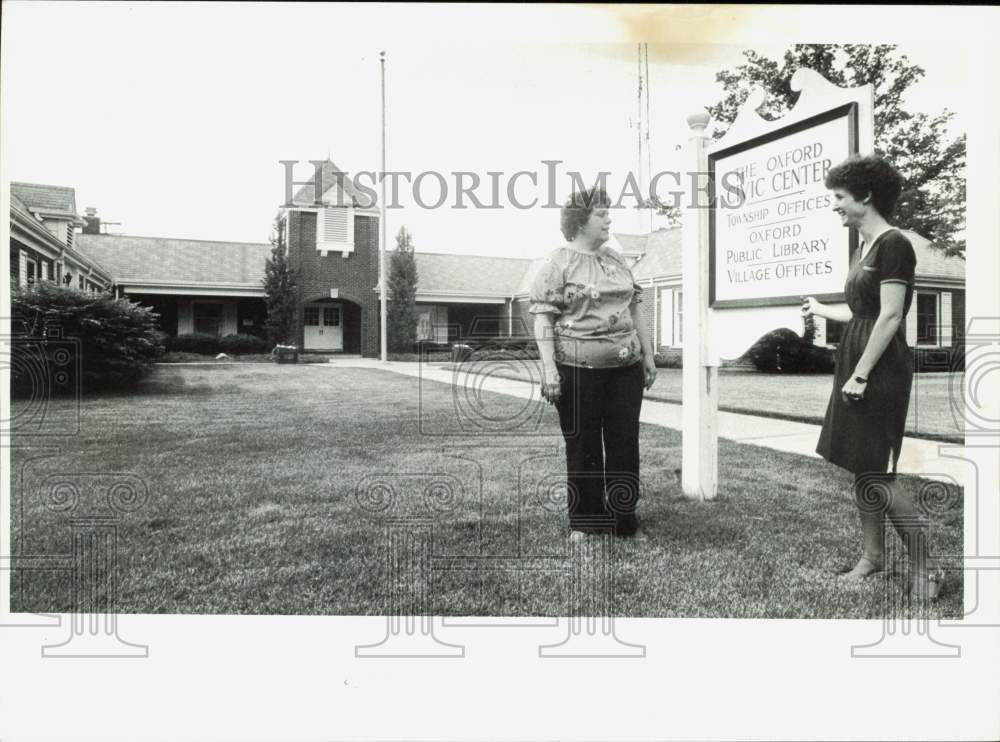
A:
<point x="864" y="436"/>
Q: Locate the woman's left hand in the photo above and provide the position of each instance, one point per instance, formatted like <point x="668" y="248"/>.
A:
<point x="853" y="390"/>
<point x="649" y="370"/>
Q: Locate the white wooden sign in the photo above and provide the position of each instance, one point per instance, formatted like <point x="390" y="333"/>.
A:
<point x="784" y="241"/>
<point x="773" y="236"/>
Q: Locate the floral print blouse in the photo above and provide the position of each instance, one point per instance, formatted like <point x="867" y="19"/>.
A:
<point x="589" y="295"/>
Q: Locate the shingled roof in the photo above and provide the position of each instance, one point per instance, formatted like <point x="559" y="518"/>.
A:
<point x="661" y="254"/>
<point x="50" y="199"/>
<point x="330" y="176"/>
<point x="438" y="273"/>
<point x="931" y="262"/>
<point x="163" y="259"/>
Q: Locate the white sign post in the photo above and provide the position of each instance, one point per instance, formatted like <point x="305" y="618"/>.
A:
<point x="700" y="372"/>
<point x="768" y="239"/>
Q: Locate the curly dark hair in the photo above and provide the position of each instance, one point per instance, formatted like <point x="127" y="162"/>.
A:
<point x="578" y="208"/>
<point x="864" y="175"/>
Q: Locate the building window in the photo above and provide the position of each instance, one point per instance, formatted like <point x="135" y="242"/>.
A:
<point x="208" y="317"/>
<point x="311" y="317"/>
<point x="678" y="318"/>
<point x="927" y="318"/>
<point x="671" y="317"/>
<point x="30" y="271"/>
<point x="834" y="330"/>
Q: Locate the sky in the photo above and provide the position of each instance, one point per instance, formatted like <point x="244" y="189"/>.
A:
<point x="171" y="119"/>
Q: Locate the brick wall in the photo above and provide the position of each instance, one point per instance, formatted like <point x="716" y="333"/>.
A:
<point x="354" y="276"/>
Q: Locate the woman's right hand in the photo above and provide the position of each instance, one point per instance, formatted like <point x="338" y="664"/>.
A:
<point x="810" y="307"/>
<point x="551" y="388"/>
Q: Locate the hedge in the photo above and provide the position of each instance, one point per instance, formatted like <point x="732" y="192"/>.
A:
<point x="195" y="342"/>
<point x="783" y="351"/>
<point x="238" y="345"/>
<point x="65" y="340"/>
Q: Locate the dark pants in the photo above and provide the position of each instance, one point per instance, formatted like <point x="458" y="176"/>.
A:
<point x="599" y="417"/>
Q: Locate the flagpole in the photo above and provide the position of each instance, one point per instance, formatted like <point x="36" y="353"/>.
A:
<point x="384" y="288"/>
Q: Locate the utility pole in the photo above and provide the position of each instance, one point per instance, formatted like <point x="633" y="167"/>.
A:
<point x="382" y="281"/>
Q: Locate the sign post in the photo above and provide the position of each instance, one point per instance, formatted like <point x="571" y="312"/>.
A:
<point x="700" y="373"/>
<point x="759" y="235"/>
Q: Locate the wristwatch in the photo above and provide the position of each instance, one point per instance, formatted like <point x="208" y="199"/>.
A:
<point x="861" y="379"/>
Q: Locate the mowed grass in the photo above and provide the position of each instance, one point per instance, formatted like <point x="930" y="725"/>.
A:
<point x="278" y="489"/>
<point x="935" y="411"/>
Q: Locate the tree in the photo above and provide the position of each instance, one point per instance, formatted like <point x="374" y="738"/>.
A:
<point x="402" y="310"/>
<point x="672" y="213"/>
<point x="933" y="198"/>
<point x="281" y="289"/>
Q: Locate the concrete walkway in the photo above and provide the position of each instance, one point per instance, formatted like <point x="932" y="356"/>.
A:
<point x="923" y="458"/>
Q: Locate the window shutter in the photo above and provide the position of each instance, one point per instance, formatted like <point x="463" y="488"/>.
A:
<point x="945" y="319"/>
<point x="911" y="323"/>
<point x="666" y="317"/>
<point x="678" y="318"/>
<point x="335" y="229"/>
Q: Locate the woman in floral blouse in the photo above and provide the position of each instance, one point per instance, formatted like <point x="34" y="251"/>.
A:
<point x="596" y="359"/>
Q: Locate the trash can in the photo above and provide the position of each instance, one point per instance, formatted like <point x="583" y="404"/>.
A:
<point x="286" y="353"/>
<point x="460" y="353"/>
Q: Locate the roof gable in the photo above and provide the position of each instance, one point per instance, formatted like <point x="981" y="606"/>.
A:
<point x="932" y="262"/>
<point x="662" y="256"/>
<point x="332" y="179"/>
<point x="47" y="198"/>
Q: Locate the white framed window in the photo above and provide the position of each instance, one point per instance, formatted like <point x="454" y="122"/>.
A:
<point x="928" y="308"/>
<point x="310" y="316"/>
<point x="31" y="273"/>
<point x="678" y="318"/>
<point x="671" y="325"/>
<point x="335" y="229"/>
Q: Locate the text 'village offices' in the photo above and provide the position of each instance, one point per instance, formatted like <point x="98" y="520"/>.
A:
<point x="217" y="287"/>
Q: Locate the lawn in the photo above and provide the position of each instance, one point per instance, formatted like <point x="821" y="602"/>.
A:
<point x="801" y="397"/>
<point x="265" y="482"/>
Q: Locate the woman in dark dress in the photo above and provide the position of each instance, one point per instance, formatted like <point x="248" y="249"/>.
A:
<point x="866" y="416"/>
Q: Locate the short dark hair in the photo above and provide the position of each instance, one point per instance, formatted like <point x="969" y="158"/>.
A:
<point x="578" y="208"/>
<point x="864" y="175"/>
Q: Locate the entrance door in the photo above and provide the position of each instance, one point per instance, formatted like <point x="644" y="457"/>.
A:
<point x="323" y="325"/>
